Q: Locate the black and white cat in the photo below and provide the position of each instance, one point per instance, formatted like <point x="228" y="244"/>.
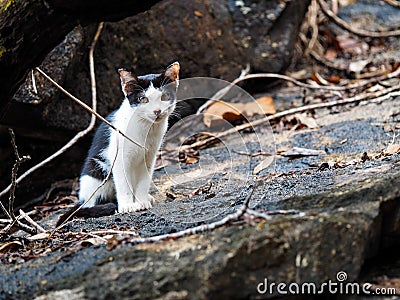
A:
<point x="143" y="116"/>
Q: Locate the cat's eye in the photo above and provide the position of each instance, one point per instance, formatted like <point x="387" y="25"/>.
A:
<point x="165" y="97"/>
<point x="144" y="100"/>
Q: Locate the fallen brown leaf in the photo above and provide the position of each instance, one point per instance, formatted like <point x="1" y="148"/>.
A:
<point x="392" y="149"/>
<point x="221" y="110"/>
<point x="198" y="13"/>
<point x="334" y="79"/>
<point x="306" y="120"/>
<point x="358" y="66"/>
<point x="263" y="164"/>
<point x="95" y="241"/>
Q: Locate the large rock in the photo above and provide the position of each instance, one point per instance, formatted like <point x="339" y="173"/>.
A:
<point x="343" y="216"/>
<point x="30" y="29"/>
<point x="336" y="233"/>
<point x="209" y="38"/>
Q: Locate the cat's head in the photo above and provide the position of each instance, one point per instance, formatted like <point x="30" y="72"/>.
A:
<point x="152" y="95"/>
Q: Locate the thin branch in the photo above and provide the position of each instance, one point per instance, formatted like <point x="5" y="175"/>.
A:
<point x="360" y="32"/>
<point x="111" y="231"/>
<point x="267" y="215"/>
<point x="33" y="82"/>
<point x="201" y="228"/>
<point x="314" y="54"/>
<point x="29" y="220"/>
<point x="313" y="22"/>
<point x="78" y="136"/>
<point x="377" y="96"/>
<point x="18" y="161"/>
<point x="86" y="107"/>
<point x="218" y="95"/>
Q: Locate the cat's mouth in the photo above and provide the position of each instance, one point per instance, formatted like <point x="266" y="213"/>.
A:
<point x="159" y="118"/>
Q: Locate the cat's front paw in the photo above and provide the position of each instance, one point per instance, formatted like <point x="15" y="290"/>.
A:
<point x="128" y="207"/>
<point x="145" y="202"/>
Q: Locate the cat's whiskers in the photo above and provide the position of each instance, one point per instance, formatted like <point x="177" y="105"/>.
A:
<point x="175" y="114"/>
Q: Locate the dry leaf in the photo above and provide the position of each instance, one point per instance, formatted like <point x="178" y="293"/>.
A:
<point x="263" y="164"/>
<point x="306" y="120"/>
<point x="392" y="149"/>
<point x="10" y="246"/>
<point x="266" y="104"/>
<point x="39" y="236"/>
<point x="191" y="160"/>
<point x="299" y="152"/>
<point x="198" y="13"/>
<point x="358" y="66"/>
<point x="95" y="241"/>
<point x="333" y="79"/>
<point x="219" y="111"/>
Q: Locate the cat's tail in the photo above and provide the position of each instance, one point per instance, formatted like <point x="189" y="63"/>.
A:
<point x="96" y="211"/>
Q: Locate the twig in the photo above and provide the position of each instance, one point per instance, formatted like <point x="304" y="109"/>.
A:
<point x="201" y="228"/>
<point x="360" y="32"/>
<point x="313" y="22"/>
<point x="251" y="154"/>
<point x="29" y="220"/>
<point x="379" y="95"/>
<point x="111" y="231"/>
<point x="267" y="215"/>
<point x="33" y="82"/>
<point x="319" y="58"/>
<point x="217" y="96"/>
<point x="85" y="106"/>
<point x="18" y="161"/>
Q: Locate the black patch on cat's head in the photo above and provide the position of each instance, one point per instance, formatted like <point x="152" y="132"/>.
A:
<point x="134" y="86"/>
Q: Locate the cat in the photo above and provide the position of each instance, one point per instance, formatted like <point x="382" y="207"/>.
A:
<point x="143" y="116"/>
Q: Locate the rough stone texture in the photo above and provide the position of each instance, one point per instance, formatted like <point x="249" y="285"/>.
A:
<point x="345" y="216"/>
<point x="209" y="38"/>
<point x="30" y="29"/>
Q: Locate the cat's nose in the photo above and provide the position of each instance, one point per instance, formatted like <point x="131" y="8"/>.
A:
<point x="157" y="112"/>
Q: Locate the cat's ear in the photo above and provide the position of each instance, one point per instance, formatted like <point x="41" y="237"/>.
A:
<point x="128" y="81"/>
<point x="172" y="72"/>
